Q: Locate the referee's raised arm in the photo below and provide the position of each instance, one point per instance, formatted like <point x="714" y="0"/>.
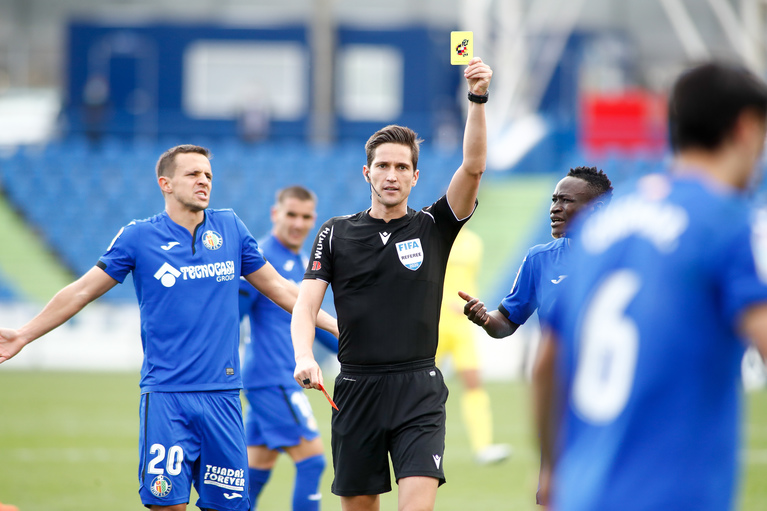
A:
<point x="462" y="192"/>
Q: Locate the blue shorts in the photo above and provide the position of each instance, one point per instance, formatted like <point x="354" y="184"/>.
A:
<point x="279" y="417"/>
<point x="193" y="438"/>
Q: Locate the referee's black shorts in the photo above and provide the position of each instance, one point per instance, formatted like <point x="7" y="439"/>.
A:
<point x="397" y="409"/>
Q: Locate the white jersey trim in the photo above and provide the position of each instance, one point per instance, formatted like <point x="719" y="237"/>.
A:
<point x="456" y="216"/>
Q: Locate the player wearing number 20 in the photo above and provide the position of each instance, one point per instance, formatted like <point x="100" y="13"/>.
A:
<point x="645" y="345"/>
<point x="186" y="264"/>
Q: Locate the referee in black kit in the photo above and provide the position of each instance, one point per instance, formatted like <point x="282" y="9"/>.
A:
<point x="387" y="267"/>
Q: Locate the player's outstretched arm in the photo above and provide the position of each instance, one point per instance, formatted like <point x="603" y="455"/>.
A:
<point x="307" y="372"/>
<point x="544" y="407"/>
<point x="464" y="186"/>
<point x="284" y="293"/>
<point x="327" y="339"/>
<point x="495" y="324"/>
<point x="65" y="304"/>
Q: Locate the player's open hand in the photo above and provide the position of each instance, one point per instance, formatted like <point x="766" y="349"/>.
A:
<point x="478" y="75"/>
<point x="474" y="309"/>
<point x="308" y="373"/>
<point x="10" y="344"/>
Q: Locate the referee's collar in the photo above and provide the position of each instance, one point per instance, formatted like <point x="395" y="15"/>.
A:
<point x="409" y="214"/>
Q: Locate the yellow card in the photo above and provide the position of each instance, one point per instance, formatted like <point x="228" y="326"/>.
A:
<point x="461" y="47"/>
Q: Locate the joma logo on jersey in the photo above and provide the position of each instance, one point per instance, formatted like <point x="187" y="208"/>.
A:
<point x="410" y="253"/>
<point x="222" y="271"/>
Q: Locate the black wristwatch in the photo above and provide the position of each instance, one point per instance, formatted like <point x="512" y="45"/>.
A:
<point x="478" y="98"/>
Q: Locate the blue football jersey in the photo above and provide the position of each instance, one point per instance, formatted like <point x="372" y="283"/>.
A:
<point x="537" y="282"/>
<point x="187" y="289"/>
<point x="269" y="358"/>
<point x="649" y="357"/>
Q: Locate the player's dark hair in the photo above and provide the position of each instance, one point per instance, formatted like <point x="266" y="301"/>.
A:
<point x="597" y="180"/>
<point x="707" y="100"/>
<point x="166" y="165"/>
<point x="394" y="134"/>
<point x="296" y="192"/>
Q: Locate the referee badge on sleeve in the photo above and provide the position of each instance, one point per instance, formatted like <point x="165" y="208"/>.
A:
<point x="410" y="253"/>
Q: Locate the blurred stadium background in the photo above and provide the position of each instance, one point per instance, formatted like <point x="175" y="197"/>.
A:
<point x="93" y="91"/>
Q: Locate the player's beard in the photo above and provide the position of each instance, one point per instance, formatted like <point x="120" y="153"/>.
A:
<point x="192" y="205"/>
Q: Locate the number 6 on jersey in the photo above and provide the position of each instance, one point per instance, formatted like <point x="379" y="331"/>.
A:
<point x="609" y="344"/>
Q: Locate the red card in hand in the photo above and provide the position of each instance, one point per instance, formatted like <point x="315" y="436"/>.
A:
<point x="330" y="400"/>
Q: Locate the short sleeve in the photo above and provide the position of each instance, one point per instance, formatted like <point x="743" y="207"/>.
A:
<point x="445" y="218"/>
<point x="120" y="257"/>
<point x="252" y="259"/>
<point x="522" y="300"/>
<point x="320" y="266"/>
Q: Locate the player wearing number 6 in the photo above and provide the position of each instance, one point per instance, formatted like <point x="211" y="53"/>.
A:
<point x="186" y="264"/>
<point x="637" y="388"/>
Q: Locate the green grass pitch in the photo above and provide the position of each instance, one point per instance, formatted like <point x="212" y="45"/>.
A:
<point x="68" y="442"/>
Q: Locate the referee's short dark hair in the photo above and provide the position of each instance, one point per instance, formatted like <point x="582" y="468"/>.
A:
<point x="706" y="101"/>
<point x="393" y="134"/>
<point x="597" y="180"/>
<point x="166" y="165"/>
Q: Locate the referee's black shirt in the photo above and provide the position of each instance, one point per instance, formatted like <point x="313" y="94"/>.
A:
<point x="387" y="281"/>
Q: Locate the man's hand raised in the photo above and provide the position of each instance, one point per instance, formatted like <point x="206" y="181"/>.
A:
<point x="478" y="75"/>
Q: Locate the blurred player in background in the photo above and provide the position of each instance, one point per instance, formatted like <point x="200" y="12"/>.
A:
<point x="637" y="387"/>
<point x="280" y="417"/>
<point x="546" y="266"/>
<point x="387" y="267"/>
<point x="186" y="264"/>
<point x="457" y="341"/>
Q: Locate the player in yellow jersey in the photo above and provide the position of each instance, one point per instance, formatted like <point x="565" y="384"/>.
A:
<point x="457" y="339"/>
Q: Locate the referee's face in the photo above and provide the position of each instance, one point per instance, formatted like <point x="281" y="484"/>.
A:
<point x="391" y="174"/>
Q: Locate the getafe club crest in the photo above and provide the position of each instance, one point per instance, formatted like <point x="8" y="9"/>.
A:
<point x="410" y="253"/>
<point x="212" y="240"/>
<point x="160" y="486"/>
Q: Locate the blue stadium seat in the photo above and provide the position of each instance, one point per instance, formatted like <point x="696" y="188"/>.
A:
<point x="79" y="195"/>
